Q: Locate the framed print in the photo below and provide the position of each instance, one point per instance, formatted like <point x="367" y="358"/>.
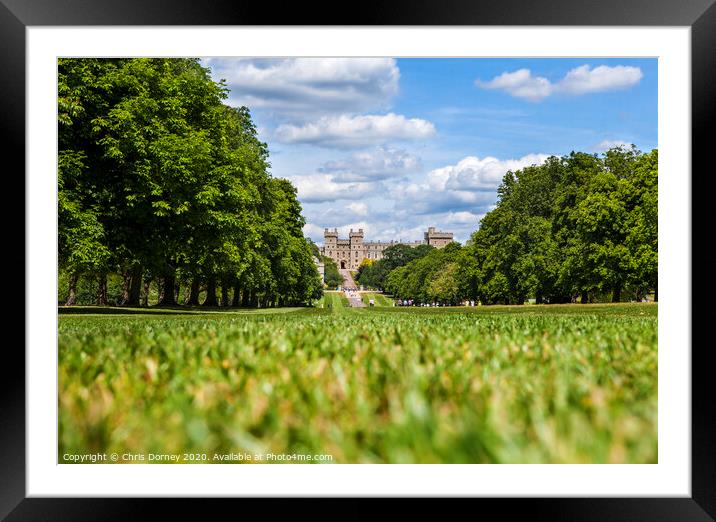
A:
<point x="410" y="248"/>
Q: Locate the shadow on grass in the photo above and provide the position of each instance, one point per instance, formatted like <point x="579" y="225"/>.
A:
<point x="150" y="310"/>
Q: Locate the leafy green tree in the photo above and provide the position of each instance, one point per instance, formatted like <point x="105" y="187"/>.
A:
<point x="332" y="276"/>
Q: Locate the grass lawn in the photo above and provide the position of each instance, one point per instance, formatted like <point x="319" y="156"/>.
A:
<point x="380" y="299"/>
<point x="333" y="300"/>
<point x="503" y="384"/>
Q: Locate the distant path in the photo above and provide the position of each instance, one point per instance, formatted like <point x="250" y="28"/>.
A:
<point x="351" y="290"/>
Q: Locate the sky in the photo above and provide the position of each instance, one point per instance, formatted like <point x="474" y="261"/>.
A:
<point x="394" y="146"/>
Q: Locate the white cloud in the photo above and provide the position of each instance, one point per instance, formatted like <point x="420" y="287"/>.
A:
<point x="580" y="80"/>
<point x="344" y="230"/>
<point x="520" y="84"/>
<point x="610" y="144"/>
<point x="313" y="231"/>
<point x="315" y="188"/>
<point x="420" y="198"/>
<point x="473" y="173"/>
<point x="381" y="163"/>
<point x="468" y="186"/>
<point x="360" y="209"/>
<point x="349" y="131"/>
<point x="298" y="87"/>
<point x="463" y="218"/>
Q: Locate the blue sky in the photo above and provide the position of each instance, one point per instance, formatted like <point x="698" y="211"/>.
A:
<point x="396" y="145"/>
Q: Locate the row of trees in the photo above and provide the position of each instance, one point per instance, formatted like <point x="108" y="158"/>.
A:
<point x="578" y="227"/>
<point x="159" y="180"/>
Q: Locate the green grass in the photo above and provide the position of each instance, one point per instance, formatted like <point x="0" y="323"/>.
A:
<point x="380" y="299"/>
<point x="543" y="384"/>
<point x="333" y="300"/>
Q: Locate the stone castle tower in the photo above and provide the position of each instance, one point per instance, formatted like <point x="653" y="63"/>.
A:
<point x="437" y="238"/>
<point x="349" y="253"/>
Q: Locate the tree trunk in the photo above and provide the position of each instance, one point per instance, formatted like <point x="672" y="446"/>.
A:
<point x="585" y="297"/>
<point x="145" y="292"/>
<point x="102" y="290"/>
<point x="193" y="293"/>
<point x="166" y="295"/>
<point x="224" y="292"/>
<point x="72" y="294"/>
<point x="236" y="299"/>
<point x="210" y="293"/>
<point x="617" y="294"/>
<point x="126" y="280"/>
<point x="177" y="291"/>
<point x="656" y="293"/>
<point x="135" y="287"/>
<point x="245" y="298"/>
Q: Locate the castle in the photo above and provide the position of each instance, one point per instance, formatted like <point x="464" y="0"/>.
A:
<point x="349" y="253"/>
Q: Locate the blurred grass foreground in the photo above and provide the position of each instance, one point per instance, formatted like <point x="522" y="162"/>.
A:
<point x="499" y="384"/>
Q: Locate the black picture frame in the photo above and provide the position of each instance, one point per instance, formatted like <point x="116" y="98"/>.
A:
<point x="699" y="15"/>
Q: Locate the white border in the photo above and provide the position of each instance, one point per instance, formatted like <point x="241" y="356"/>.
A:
<point x="670" y="477"/>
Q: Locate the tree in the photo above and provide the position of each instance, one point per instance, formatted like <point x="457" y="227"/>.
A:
<point x="332" y="276"/>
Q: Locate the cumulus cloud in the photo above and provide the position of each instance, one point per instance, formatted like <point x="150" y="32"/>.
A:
<point x="468" y="186"/>
<point x="316" y="188"/>
<point x="305" y="86"/>
<point x="580" y="80"/>
<point x="583" y="79"/>
<point x="356" y="131"/>
<point x="520" y="84"/>
<point x="474" y="174"/>
<point x="421" y="199"/>
<point x="381" y="163"/>
<point x="463" y="218"/>
<point x="313" y="231"/>
<point x="360" y="209"/>
<point x="610" y="144"/>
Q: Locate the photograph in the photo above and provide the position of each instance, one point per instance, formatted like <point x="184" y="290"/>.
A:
<point x="357" y="260"/>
